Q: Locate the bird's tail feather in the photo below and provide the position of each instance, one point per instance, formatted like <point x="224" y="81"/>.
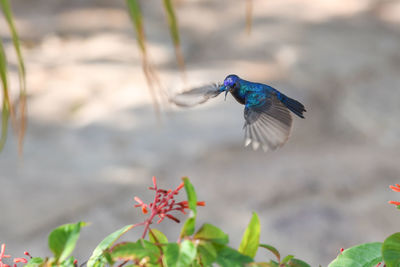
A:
<point x="293" y="105"/>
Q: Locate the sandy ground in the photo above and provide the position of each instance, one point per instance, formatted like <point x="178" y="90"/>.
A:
<point x="93" y="141"/>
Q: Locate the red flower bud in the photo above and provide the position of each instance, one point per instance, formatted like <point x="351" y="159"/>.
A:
<point x="179" y="187"/>
<point x="395" y="188"/>
<point x="154" y="182"/>
<point x="144" y="209"/>
<point x="173" y="218"/>
<point x="201" y="203"/>
<point x="138" y="200"/>
<point x="23" y="260"/>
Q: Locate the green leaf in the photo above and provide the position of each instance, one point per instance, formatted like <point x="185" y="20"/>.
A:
<point x="191" y="195"/>
<point x="138" y="250"/>
<point x="187" y="253"/>
<point x="251" y="237"/>
<point x="212" y="233"/>
<point x="391" y="250"/>
<point x="68" y="262"/>
<point x="35" y="262"/>
<point x="259" y="264"/>
<point x="287" y="259"/>
<point x="228" y="257"/>
<point x="190" y="224"/>
<point x="171" y="254"/>
<point x="298" y="263"/>
<point x="207" y="253"/>
<point x="364" y="255"/>
<point x="179" y="255"/>
<point x="188" y="227"/>
<point x="98" y="259"/>
<point x="273" y="263"/>
<point x="62" y="240"/>
<point x="157" y="236"/>
<point x="273" y="250"/>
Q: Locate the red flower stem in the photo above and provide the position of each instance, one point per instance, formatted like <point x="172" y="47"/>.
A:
<point x="154" y="212"/>
<point x="147" y="223"/>
<point x="122" y="264"/>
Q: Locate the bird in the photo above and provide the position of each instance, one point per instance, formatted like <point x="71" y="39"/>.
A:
<point x="268" y="121"/>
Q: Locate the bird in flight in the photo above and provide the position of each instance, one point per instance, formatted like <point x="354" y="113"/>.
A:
<point x="268" y="121"/>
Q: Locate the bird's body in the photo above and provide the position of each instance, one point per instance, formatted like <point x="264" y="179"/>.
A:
<point x="267" y="118"/>
<point x="253" y="94"/>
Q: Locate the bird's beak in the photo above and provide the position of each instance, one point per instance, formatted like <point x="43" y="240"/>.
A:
<point x="225" y="89"/>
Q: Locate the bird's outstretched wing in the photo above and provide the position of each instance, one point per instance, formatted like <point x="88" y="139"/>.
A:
<point x="267" y="125"/>
<point x="196" y="95"/>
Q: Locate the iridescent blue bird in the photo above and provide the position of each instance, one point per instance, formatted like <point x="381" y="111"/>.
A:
<point x="268" y="121"/>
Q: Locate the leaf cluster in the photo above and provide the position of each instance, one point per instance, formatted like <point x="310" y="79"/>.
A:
<point x="206" y="246"/>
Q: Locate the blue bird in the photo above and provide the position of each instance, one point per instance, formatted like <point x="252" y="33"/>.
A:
<point x="268" y="121"/>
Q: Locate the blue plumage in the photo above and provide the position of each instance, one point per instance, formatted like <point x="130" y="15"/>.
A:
<point x="267" y="118"/>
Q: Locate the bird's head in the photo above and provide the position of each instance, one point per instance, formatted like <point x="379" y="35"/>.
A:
<point x="230" y="83"/>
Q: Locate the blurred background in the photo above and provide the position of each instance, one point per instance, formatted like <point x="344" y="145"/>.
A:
<point x="93" y="140"/>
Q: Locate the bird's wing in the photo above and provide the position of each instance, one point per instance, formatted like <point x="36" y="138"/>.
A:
<point x="267" y="125"/>
<point x="195" y="96"/>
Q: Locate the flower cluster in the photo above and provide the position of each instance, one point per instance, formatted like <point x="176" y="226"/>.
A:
<point x="395" y="188"/>
<point x="163" y="204"/>
<point x="16" y="260"/>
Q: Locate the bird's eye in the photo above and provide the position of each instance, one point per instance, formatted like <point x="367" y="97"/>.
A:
<point x="234" y="85"/>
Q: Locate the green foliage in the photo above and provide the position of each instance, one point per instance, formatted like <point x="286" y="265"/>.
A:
<point x="98" y="257"/>
<point x="187" y="253"/>
<point x="35" y="262"/>
<point x="190" y="224"/>
<point x="273" y="250"/>
<point x="391" y="250"/>
<point x="171" y="252"/>
<point x="206" y="247"/>
<point x="251" y="237"/>
<point x="287" y="259"/>
<point x="62" y="240"/>
<point x="364" y="255"/>
<point x="135" y="251"/>
<point x="191" y="195"/>
<point x="207" y="253"/>
<point x="157" y="236"/>
<point x="211" y="233"/>
<point x="68" y="262"/>
<point x="229" y="257"/>
<point x="297" y="263"/>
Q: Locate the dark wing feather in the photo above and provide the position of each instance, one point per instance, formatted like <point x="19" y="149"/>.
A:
<point x="196" y="95"/>
<point x="268" y="125"/>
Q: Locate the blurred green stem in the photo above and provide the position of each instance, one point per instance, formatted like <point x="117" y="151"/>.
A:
<point x="249" y="15"/>
<point x="6" y="8"/>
